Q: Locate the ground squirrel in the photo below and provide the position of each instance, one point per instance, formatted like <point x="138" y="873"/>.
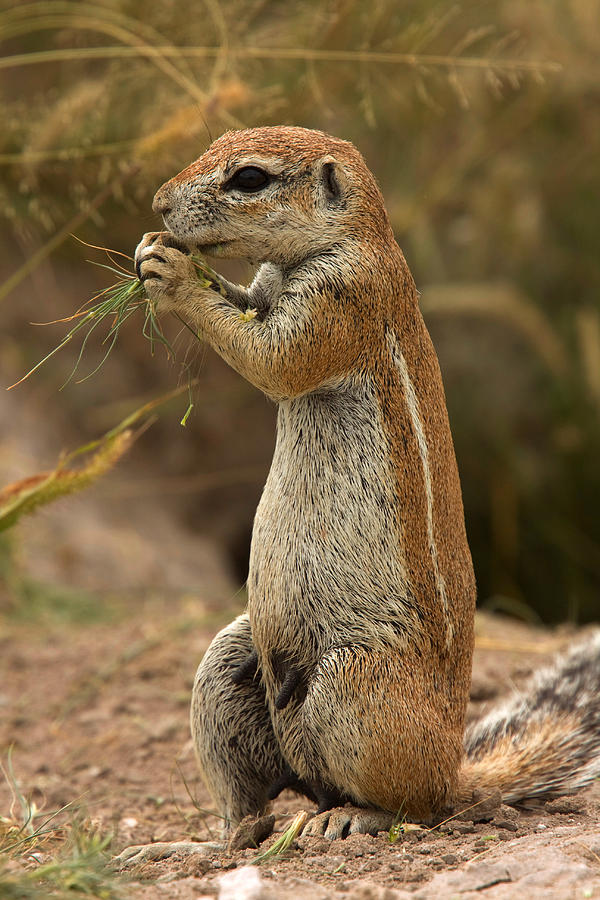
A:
<point x="348" y="677"/>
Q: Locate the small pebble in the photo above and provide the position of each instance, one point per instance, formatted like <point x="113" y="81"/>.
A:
<point x="196" y="866"/>
<point x="371" y="866"/>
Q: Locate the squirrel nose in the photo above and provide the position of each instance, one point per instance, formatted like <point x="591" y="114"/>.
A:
<point x="161" y="203"/>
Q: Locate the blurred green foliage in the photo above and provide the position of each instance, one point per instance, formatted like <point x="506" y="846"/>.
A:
<point x="482" y="124"/>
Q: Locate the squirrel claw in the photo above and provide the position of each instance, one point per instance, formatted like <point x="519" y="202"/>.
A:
<point x="246" y="670"/>
<point x="336" y="824"/>
<point x="138" y="266"/>
<point x="290" y="683"/>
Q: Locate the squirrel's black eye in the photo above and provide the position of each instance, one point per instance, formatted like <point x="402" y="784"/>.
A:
<point x="248" y="179"/>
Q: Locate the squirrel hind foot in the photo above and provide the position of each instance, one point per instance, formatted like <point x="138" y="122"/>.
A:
<point x="338" y="823"/>
<point x="246" y="670"/>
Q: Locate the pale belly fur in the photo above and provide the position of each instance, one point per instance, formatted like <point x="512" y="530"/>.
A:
<point x="327" y="548"/>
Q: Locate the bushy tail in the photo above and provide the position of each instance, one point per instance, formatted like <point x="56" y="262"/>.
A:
<point x="545" y="741"/>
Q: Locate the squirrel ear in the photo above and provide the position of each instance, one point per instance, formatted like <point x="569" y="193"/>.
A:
<point x="333" y="179"/>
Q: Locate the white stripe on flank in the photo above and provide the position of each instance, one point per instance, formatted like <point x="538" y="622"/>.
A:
<point x="417" y="423"/>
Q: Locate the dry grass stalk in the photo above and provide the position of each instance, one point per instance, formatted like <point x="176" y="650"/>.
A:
<point x="75" y="470"/>
<point x="285" y="841"/>
<point x="588" y="332"/>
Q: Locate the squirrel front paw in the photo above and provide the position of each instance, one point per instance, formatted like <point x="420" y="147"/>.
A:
<point x="165" y="267"/>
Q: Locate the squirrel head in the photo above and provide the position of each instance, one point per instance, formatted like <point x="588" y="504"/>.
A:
<point x="274" y="194"/>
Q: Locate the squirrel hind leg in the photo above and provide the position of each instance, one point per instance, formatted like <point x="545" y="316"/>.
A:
<point x="369" y="729"/>
<point x="328" y="798"/>
<point x="289" y="780"/>
<point x="325" y="796"/>
<point x="235" y="745"/>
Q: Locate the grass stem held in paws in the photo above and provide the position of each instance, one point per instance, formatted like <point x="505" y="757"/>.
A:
<point x="110" y="309"/>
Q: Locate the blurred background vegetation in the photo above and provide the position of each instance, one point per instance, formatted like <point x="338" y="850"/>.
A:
<point x="481" y="121"/>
